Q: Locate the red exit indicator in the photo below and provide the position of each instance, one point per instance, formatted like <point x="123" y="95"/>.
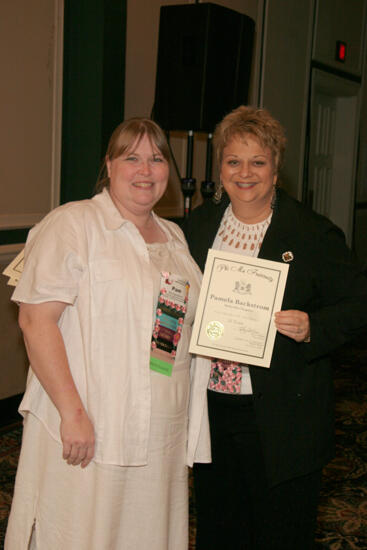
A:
<point x="341" y="51"/>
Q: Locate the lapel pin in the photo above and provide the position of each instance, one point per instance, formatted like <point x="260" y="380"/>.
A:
<point x="287" y="256"/>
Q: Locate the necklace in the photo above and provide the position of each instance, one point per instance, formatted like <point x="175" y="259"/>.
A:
<point x="239" y="236"/>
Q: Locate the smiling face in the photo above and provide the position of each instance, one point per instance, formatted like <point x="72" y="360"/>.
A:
<point x="248" y="174"/>
<point x="138" y="178"/>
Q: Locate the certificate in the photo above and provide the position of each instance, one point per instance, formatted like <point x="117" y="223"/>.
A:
<point x="235" y="314"/>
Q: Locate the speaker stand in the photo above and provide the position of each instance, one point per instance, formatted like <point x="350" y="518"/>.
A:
<point x="188" y="184"/>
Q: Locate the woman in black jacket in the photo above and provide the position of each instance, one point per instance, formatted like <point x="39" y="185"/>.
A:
<point x="272" y="429"/>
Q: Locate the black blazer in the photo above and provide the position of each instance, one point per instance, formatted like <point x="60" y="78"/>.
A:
<point x="294" y="398"/>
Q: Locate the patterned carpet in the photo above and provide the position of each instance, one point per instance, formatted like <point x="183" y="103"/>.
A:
<point x="10" y="437"/>
<point x="342" y="521"/>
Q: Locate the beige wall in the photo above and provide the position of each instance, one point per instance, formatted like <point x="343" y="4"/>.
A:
<point x="285" y="84"/>
<point x="30" y="129"/>
<point x="13" y="362"/>
<point x="29" y="168"/>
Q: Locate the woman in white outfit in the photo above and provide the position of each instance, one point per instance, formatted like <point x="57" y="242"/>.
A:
<point x="105" y="448"/>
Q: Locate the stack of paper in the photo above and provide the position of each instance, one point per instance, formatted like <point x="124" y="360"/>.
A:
<point x="14" y="269"/>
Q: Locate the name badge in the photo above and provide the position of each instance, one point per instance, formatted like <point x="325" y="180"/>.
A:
<point x="170" y="314"/>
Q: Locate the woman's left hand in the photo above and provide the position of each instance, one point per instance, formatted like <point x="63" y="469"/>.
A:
<point x="294" y="324"/>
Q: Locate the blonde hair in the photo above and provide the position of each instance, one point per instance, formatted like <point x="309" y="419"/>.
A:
<point x="257" y="122"/>
<point x="125" y="136"/>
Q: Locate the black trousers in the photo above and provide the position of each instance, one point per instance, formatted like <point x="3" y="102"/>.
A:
<point x="236" y="509"/>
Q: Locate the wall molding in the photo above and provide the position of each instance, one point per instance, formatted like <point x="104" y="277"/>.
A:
<point x="19" y="221"/>
<point x="8" y="253"/>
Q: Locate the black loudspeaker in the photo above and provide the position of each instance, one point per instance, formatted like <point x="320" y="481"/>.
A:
<point x="204" y="62"/>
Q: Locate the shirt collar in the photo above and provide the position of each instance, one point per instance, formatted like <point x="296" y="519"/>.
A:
<point x="112" y="218"/>
<point x="110" y="214"/>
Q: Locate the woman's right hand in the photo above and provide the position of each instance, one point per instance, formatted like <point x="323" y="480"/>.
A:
<point x="77" y="436"/>
<point x="47" y="354"/>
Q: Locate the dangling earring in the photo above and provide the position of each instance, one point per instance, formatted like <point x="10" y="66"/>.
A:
<point x="274" y="196"/>
<point x="218" y="193"/>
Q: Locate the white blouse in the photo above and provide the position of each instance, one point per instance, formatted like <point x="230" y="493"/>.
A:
<point x="236" y="236"/>
<point x="86" y="255"/>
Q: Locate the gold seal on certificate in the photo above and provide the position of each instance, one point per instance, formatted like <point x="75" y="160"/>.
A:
<point x="235" y="314"/>
<point x="214" y="330"/>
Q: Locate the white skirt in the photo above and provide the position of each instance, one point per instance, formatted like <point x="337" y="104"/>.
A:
<point x="106" y="507"/>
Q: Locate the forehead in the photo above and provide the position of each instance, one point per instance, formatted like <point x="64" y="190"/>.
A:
<point x="143" y="143"/>
<point x="247" y="144"/>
